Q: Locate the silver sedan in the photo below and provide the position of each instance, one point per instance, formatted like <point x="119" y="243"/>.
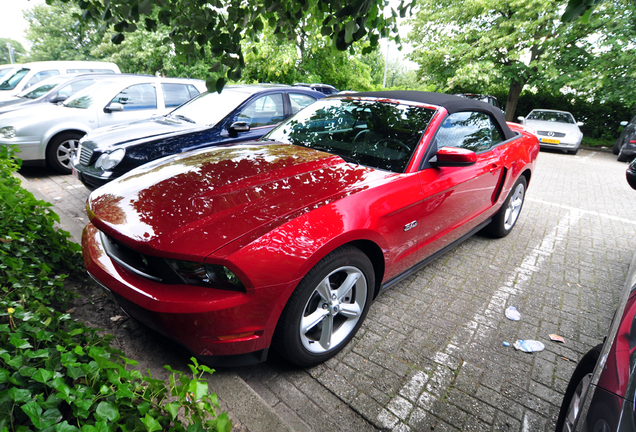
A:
<point x="555" y="129"/>
<point x="49" y="134"/>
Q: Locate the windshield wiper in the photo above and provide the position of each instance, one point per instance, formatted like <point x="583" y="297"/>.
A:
<point x="182" y="117"/>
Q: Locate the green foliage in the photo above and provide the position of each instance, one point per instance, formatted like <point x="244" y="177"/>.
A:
<point x="601" y="119"/>
<point x="33" y="253"/>
<point x="482" y="46"/>
<point x="18" y="54"/>
<point x="57" y="374"/>
<point x="224" y="27"/>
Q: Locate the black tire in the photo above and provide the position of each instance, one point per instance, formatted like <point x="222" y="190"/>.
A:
<point x="573" y="152"/>
<point x="617" y="146"/>
<point x="622" y="157"/>
<point x="61" y="149"/>
<point x="578" y="383"/>
<point x="505" y="219"/>
<point x="319" y="342"/>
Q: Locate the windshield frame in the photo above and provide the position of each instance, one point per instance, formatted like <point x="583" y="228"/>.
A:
<point x="223" y="104"/>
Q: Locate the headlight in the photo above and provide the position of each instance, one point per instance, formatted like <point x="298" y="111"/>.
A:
<point x="212" y="275"/>
<point x="7" y="132"/>
<point x="110" y="160"/>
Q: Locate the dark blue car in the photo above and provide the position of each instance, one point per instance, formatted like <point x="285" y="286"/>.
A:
<point x="238" y="113"/>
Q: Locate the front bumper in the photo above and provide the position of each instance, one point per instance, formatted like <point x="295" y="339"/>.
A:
<point x="92" y="179"/>
<point x="562" y="145"/>
<point x="208" y="322"/>
<point x="28" y="148"/>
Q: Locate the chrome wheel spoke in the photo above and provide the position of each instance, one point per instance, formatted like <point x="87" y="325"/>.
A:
<point x="312" y="320"/>
<point x="350" y="310"/>
<point x="345" y="289"/>
<point x="327" y="333"/>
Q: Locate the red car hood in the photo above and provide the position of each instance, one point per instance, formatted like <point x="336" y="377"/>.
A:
<point x="188" y="206"/>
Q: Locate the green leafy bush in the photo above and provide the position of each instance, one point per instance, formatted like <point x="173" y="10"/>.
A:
<point x="57" y="374"/>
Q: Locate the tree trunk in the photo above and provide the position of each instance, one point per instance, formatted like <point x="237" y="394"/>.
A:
<point x="513" y="99"/>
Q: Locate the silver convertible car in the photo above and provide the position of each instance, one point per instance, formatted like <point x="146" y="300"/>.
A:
<point x="49" y="134"/>
<point x="555" y="129"/>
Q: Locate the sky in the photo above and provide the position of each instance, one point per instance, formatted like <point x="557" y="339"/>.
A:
<point x="12" y="22"/>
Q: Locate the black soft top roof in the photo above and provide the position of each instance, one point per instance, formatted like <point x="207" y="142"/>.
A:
<point x="452" y="103"/>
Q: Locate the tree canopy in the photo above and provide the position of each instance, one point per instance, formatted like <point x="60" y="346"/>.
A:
<point x="221" y="26"/>
<point x="18" y="51"/>
<point x="486" y="44"/>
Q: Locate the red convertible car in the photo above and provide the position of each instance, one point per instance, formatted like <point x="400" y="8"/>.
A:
<point x="285" y="242"/>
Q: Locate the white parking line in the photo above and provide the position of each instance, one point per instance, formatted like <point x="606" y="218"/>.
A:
<point x="584" y="212"/>
<point x="515" y="284"/>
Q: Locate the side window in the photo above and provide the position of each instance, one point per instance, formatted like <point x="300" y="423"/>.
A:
<point x="175" y="94"/>
<point x="193" y="91"/>
<point x="264" y="111"/>
<point x="299" y="101"/>
<point x="70" y="89"/>
<point x="40" y="76"/>
<point x="470" y="130"/>
<point x="136" y="97"/>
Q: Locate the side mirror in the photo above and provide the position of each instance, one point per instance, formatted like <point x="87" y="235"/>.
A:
<point x="521" y="118"/>
<point x="113" y="107"/>
<point x="239" y="126"/>
<point x="623" y="123"/>
<point x="453" y="157"/>
<point x="58" y="99"/>
<point x="580" y="123"/>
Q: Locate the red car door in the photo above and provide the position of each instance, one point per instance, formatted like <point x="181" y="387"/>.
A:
<point x="458" y="199"/>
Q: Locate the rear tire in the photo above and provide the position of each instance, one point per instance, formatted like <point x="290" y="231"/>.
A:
<point x="327" y="308"/>
<point x="617" y="146"/>
<point x="61" y="149"/>
<point x="622" y="157"/>
<point x="575" y="392"/>
<point x="505" y="219"/>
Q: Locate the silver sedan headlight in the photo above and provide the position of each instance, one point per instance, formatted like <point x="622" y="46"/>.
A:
<point x="7" y="132"/>
<point x="110" y="160"/>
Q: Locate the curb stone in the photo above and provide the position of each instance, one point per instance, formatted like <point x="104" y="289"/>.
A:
<point x="246" y="405"/>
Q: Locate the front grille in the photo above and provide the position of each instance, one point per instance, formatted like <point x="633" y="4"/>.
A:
<point x="554" y="134"/>
<point x="85" y="155"/>
<point x="149" y="267"/>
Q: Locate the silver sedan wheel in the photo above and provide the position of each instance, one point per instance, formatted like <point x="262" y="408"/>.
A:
<point x="575" y="404"/>
<point x="514" y="206"/>
<point x="66" y="151"/>
<point x="333" y="309"/>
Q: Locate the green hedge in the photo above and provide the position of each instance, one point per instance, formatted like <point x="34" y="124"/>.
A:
<point x="57" y="374"/>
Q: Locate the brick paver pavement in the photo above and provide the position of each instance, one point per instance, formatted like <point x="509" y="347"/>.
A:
<point x="430" y="354"/>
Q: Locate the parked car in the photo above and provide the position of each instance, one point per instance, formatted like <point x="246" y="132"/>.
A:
<point x="28" y="74"/>
<point x="54" y="89"/>
<point x="49" y="134"/>
<point x="625" y="145"/>
<point x="600" y="394"/>
<point x="286" y="241"/>
<point x="239" y="113"/>
<point x="489" y="99"/>
<point x="555" y="129"/>
<point x="322" y="88"/>
<point x="6" y="68"/>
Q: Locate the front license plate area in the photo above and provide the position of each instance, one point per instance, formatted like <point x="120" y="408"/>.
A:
<point x="549" y="141"/>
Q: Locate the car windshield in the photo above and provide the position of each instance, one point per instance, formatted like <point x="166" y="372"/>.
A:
<point x="210" y="108"/>
<point x="4" y="72"/>
<point x="87" y="97"/>
<point x="43" y="87"/>
<point x="377" y="134"/>
<point x="552" y="116"/>
<point x="12" y="80"/>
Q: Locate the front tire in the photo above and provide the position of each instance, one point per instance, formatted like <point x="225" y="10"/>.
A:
<point x="61" y="149"/>
<point x="577" y="387"/>
<point x="506" y="218"/>
<point x="327" y="308"/>
<point x="617" y="146"/>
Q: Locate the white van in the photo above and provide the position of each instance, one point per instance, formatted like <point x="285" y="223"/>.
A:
<point x="28" y="74"/>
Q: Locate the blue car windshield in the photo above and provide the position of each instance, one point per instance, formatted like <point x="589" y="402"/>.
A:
<point x="210" y="108"/>
<point x="381" y="135"/>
